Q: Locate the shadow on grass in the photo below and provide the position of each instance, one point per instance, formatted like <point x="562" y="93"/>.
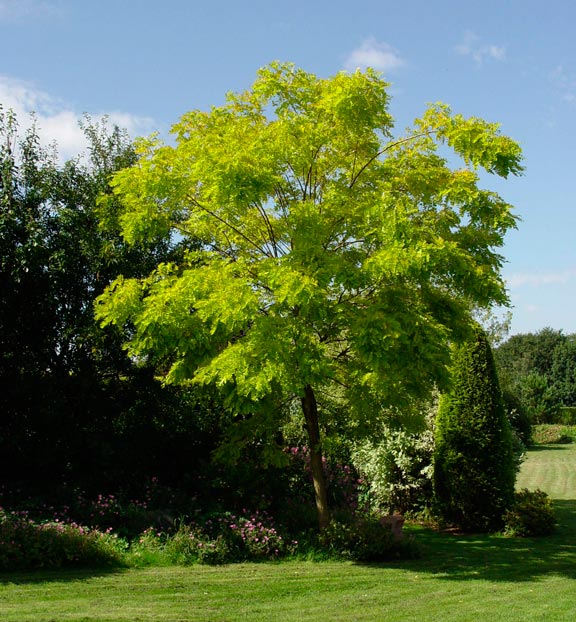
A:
<point x="66" y="575"/>
<point x="556" y="446"/>
<point x="498" y="558"/>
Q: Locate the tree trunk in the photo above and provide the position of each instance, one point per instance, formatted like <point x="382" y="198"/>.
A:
<point x="310" y="410"/>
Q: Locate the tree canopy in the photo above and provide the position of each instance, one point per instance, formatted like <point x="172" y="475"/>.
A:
<point x="63" y="379"/>
<point x="332" y="258"/>
<point x="540" y="369"/>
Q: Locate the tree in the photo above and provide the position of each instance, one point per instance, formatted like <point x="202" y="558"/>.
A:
<point x="474" y="464"/>
<point x="540" y="368"/>
<point x="335" y="259"/>
<point x="563" y="371"/>
<point x="55" y="361"/>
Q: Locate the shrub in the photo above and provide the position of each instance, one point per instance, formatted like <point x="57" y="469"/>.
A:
<point x="255" y="535"/>
<point x="474" y="463"/>
<point x="184" y="547"/>
<point x="27" y="545"/>
<point x="518" y="416"/>
<point x="214" y="552"/>
<point x="225" y="538"/>
<point x="397" y="470"/>
<point x="553" y="434"/>
<point x="567" y="415"/>
<point x="365" y="539"/>
<point x="148" y="549"/>
<point x="530" y="515"/>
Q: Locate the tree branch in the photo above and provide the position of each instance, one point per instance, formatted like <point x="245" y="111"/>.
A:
<point x="230" y="226"/>
<point x="382" y="151"/>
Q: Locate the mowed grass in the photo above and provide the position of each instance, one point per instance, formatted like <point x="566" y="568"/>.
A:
<point x="552" y="469"/>
<point x="458" y="578"/>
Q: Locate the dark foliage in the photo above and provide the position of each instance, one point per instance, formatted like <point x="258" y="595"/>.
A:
<point x="75" y="411"/>
<point x="540" y="369"/>
<point x="531" y="514"/>
<point x="474" y="466"/>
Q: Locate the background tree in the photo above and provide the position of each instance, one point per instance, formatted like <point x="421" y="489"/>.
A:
<point x="335" y="259"/>
<point x="64" y="380"/>
<point x="540" y="368"/>
<point x="474" y="465"/>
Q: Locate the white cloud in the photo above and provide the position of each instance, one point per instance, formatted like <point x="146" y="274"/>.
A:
<point x="15" y="10"/>
<point x="473" y="46"/>
<point x="56" y="120"/>
<point x="564" y="82"/>
<point x="539" y="279"/>
<point x="374" y="54"/>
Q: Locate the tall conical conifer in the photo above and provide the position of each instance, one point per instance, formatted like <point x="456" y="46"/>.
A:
<point x="474" y="466"/>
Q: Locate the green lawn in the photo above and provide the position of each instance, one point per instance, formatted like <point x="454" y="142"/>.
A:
<point x="459" y="578"/>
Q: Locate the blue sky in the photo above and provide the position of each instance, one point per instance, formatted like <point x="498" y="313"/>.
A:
<point x="145" y="63"/>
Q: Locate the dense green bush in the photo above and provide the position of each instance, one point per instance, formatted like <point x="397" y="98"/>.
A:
<point x="530" y="515"/>
<point x="27" y="545"/>
<point x="566" y="415"/>
<point x="474" y="463"/>
<point x="365" y="539"/>
<point x="190" y="545"/>
<point x="518" y="417"/>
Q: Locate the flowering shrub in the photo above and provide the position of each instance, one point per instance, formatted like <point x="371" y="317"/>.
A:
<point x="26" y="544"/>
<point x="398" y="469"/>
<point x="190" y="545"/>
<point x="255" y="534"/>
<point x="126" y="517"/>
<point x="247" y="536"/>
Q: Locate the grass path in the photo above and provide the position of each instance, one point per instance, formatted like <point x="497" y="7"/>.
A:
<point x="458" y="579"/>
<point x="551" y="468"/>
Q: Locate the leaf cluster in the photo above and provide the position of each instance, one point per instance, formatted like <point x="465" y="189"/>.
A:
<point x="327" y="252"/>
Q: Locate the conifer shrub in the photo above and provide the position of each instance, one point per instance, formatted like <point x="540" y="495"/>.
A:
<point x="474" y="462"/>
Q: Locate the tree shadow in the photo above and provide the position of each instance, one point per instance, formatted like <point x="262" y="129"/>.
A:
<point x="458" y="557"/>
<point x="65" y="575"/>
<point x="556" y="446"/>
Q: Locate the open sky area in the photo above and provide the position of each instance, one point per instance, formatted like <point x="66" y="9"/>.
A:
<point x="145" y="63"/>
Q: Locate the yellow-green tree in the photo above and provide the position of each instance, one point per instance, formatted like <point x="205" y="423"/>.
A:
<point x="335" y="258"/>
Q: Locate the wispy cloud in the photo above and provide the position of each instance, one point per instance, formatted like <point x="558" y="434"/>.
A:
<point x="564" y="82"/>
<point x="16" y="10"/>
<point x="375" y="54"/>
<point x="473" y="46"/>
<point x="539" y="279"/>
<point x="56" y="120"/>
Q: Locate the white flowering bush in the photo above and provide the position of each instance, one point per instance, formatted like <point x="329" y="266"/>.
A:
<point x="397" y="470"/>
